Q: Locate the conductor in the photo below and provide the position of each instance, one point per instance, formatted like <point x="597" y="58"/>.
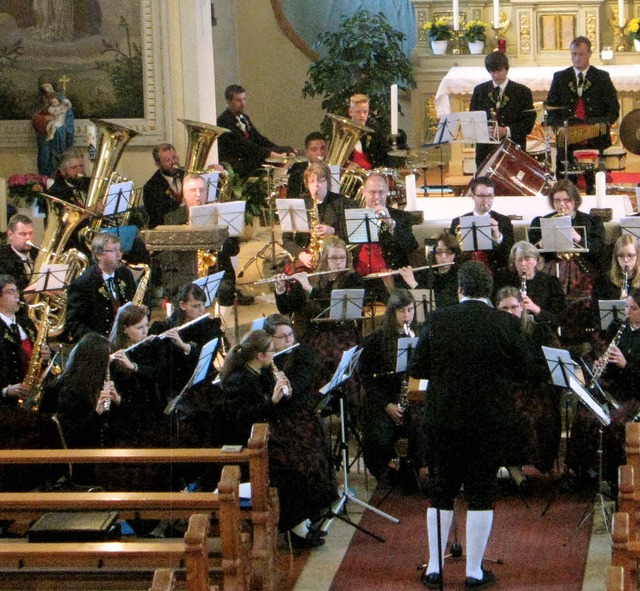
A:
<point x="586" y="95"/>
<point x="470" y="353"/>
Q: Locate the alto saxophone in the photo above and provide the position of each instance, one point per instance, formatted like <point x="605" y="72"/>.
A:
<point x="141" y="289"/>
<point x="33" y="378"/>
<point x="315" y="242"/>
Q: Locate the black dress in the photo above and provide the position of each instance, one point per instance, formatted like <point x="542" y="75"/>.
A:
<point x="299" y="466"/>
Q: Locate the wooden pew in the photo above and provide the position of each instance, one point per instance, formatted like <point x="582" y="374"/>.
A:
<point x="632" y="449"/>
<point x="615" y="579"/>
<point x="625" y="551"/>
<point x="629" y="497"/>
<point x="163" y="580"/>
<point x="264" y="512"/>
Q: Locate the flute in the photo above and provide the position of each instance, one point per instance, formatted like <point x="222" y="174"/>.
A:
<point x="164" y="334"/>
<point x="397" y="271"/>
<point x="293" y="277"/>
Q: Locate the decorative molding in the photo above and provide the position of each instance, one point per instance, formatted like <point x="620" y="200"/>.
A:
<point x="524" y="24"/>
<point x="591" y="29"/>
<point x="421" y="18"/>
<point x="289" y="32"/>
<point x="19" y="133"/>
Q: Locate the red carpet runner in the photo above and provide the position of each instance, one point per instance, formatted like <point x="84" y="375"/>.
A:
<point x="541" y="553"/>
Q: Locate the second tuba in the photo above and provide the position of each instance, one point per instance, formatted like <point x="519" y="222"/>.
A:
<point x="344" y="137"/>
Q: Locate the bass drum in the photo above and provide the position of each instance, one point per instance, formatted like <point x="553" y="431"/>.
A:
<point x="514" y="172"/>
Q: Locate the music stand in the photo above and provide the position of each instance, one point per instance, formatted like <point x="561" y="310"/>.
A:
<point x="445" y="134"/>
<point x="556" y="235"/>
<point x="339" y="509"/>
<point x="50" y="278"/>
<point x="476" y="233"/>
<point x="210" y="285"/>
<point x="212" y="179"/>
<point x="563" y="374"/>
<point x="345" y="304"/>
<point x="630" y="225"/>
<point x="611" y="311"/>
<point x="293" y="215"/>
<point x="424" y="302"/>
<point x="118" y="198"/>
<point x="127" y="235"/>
<point x="207" y="354"/>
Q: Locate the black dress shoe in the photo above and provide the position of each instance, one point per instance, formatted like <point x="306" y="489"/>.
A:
<point x="431" y="581"/>
<point x="306" y="543"/>
<point x="473" y="584"/>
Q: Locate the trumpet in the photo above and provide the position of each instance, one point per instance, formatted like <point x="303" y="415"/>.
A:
<point x="397" y="271"/>
<point x="293" y="277"/>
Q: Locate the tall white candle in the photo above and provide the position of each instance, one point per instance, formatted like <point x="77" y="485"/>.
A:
<point x="394" y="109"/>
<point x="496" y="14"/>
<point x="621" y="13"/>
<point x="411" y="192"/>
<point x="456" y="15"/>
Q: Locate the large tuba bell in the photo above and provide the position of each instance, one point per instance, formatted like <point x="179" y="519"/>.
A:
<point x="113" y="140"/>
<point x="345" y="136"/>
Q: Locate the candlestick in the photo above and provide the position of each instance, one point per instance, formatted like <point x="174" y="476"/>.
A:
<point x="456" y="15"/>
<point x="621" y="19"/>
<point x="457" y="43"/>
<point x="496" y="14"/>
<point x="618" y="29"/>
<point x="394" y="109"/>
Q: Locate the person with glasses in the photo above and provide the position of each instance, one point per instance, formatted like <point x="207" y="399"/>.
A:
<point x="255" y="392"/>
<point x="535" y="431"/>
<point x="542" y="293"/>
<point x="298" y="422"/>
<point x="94" y="297"/>
<point x="482" y="191"/>
<point x="445" y="258"/>
<point x="306" y="297"/>
<point x="576" y="270"/>
<point x="624" y="272"/>
<point x="330" y="206"/>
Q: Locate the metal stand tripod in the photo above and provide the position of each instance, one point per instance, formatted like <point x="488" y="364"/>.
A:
<point x="339" y="509"/>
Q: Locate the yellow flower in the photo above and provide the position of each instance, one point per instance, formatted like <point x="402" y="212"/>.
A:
<point x="634" y="26"/>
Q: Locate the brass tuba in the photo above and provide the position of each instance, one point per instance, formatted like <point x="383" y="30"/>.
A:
<point x="113" y="140"/>
<point x="344" y="137"/>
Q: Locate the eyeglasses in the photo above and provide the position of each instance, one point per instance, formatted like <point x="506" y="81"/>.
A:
<point x="12" y="291"/>
<point x="284" y="336"/>
<point x="485" y="196"/>
<point x="443" y="251"/>
<point x="342" y="258"/>
<point x="562" y="201"/>
<point x="627" y="257"/>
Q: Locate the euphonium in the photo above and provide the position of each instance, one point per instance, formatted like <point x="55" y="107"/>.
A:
<point x="33" y="377"/>
<point x="344" y="137"/>
<point x="113" y="140"/>
<point x="205" y="259"/>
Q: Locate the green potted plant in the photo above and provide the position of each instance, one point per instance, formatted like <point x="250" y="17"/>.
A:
<point x="634" y="32"/>
<point x="439" y="32"/>
<point x="475" y="34"/>
<point x="364" y="55"/>
<point x="253" y="191"/>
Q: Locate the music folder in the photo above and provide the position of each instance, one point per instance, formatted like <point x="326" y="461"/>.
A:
<point x="611" y="311"/>
<point x="210" y="285"/>
<point x="293" y="215"/>
<point x="50" y="278"/>
<point x="476" y="233"/>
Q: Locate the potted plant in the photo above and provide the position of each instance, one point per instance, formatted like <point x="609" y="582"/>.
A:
<point x="25" y="188"/>
<point x="634" y="31"/>
<point x="440" y="32"/>
<point x="475" y="34"/>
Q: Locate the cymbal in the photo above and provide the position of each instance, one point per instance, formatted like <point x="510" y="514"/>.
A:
<point x="400" y="153"/>
<point x="630" y="131"/>
<point x="543" y="108"/>
<point x="287" y="159"/>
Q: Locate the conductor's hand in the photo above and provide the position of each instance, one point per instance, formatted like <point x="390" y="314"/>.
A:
<point x="409" y="278"/>
<point x="395" y="412"/>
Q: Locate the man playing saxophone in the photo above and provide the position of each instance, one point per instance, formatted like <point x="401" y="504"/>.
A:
<point x="17" y="341"/>
<point x="326" y="217"/>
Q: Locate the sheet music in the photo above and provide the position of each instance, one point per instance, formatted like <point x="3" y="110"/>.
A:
<point x="258" y="323"/>
<point x="630" y="225"/>
<point x="204" y="361"/>
<point x="556" y="359"/>
<point x="211" y="179"/>
<point x="482" y="226"/>
<point x="210" y="285"/>
<point x="344" y="369"/>
<point x="424" y="300"/>
<point x="405" y="345"/>
<point x="49" y="278"/>
<point x="293" y="215"/>
<point x="362" y="226"/>
<point x="557" y="234"/>
<point x="588" y="400"/>
<point x="118" y="198"/>
<point x="346" y="304"/>
<point x="611" y="311"/>
<point x="335" y="174"/>
<point x="475" y="127"/>
<point x="230" y="214"/>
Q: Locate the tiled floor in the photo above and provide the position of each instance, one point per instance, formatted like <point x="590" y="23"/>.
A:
<point x="323" y="562"/>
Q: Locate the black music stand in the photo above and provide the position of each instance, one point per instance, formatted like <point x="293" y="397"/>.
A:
<point x="339" y="509"/>
<point x="611" y="311"/>
<point x="118" y="199"/>
<point x="210" y="285"/>
<point x="630" y="225"/>
<point x="207" y="354"/>
<point x="346" y="304"/>
<point x="51" y="277"/>
<point x="563" y="374"/>
<point x="476" y="233"/>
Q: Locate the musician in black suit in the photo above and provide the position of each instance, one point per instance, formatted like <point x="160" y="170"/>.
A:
<point x="95" y="296"/>
<point x="14" y="355"/>
<point x="70" y="183"/>
<point x="315" y="149"/>
<point x="396" y="239"/>
<point x="482" y="192"/>
<point x="371" y="149"/>
<point x="162" y="193"/>
<point x="585" y="94"/>
<point x="17" y="257"/>
<point x="505" y="102"/>
<point x="471" y="354"/>
<point x="244" y="148"/>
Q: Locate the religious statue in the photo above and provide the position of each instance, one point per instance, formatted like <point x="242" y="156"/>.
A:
<point x="53" y="124"/>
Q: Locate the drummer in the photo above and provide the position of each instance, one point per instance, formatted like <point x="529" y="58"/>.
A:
<point x="508" y="103"/>
<point x="482" y="191"/>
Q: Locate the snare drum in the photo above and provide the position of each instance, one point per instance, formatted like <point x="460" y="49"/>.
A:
<point x="614" y="158"/>
<point x="514" y="172"/>
<point x="586" y="159"/>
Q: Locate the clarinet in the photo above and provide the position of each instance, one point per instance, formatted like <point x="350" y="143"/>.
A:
<point x="403" y="400"/>
<point x="523" y="285"/>
<point x="624" y="290"/>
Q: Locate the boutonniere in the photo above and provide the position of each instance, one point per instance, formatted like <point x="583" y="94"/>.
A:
<point x="121" y="286"/>
<point x="573" y="87"/>
<point x="102" y="290"/>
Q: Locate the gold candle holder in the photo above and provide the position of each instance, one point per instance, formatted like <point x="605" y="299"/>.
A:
<point x="457" y="43"/>
<point x="619" y="32"/>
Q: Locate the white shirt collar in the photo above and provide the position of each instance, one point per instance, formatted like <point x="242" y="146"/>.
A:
<point x="8" y="321"/>
<point x="483" y="300"/>
<point x="23" y="256"/>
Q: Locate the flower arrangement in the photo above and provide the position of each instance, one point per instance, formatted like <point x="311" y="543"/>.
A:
<point x="634" y="28"/>
<point x="439" y="30"/>
<point x="475" y="30"/>
<point x="24" y="188"/>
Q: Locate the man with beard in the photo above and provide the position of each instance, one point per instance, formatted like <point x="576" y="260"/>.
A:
<point x="162" y="193"/>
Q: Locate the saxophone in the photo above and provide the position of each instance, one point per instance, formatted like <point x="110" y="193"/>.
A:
<point x="315" y="242"/>
<point x="401" y="446"/>
<point x="33" y="378"/>
<point x="141" y="289"/>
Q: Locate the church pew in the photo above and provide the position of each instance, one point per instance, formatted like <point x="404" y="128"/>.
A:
<point x="23" y="559"/>
<point x="625" y="552"/>
<point x="629" y="497"/>
<point x="632" y="450"/>
<point x="264" y="512"/>
<point x="615" y="579"/>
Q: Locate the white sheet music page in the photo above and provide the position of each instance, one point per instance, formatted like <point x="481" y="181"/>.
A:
<point x="293" y="215"/>
<point x="362" y="225"/>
